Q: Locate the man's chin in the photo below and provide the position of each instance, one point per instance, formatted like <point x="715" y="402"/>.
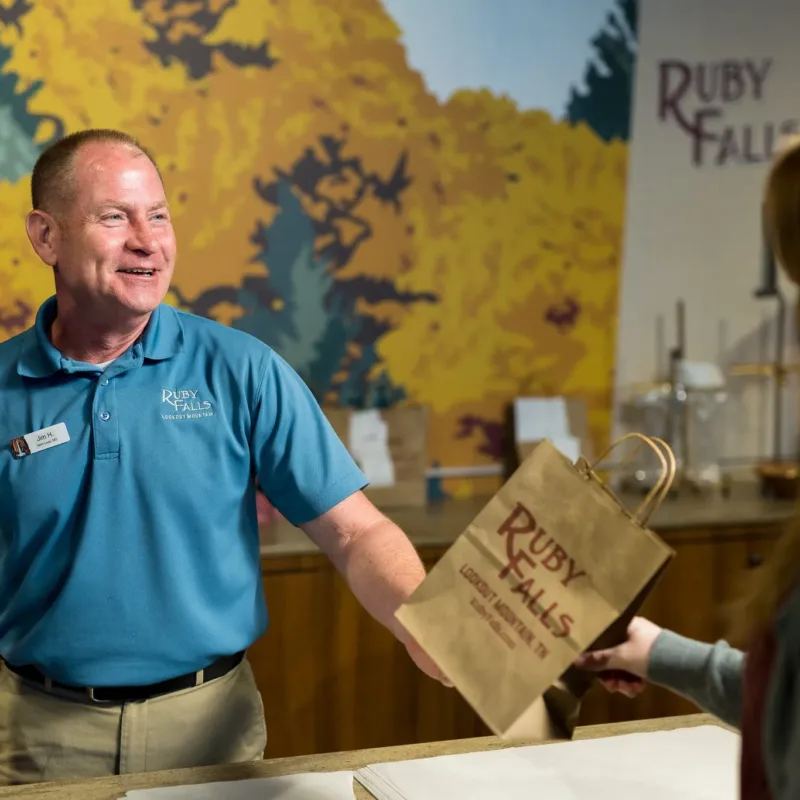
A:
<point x="140" y="300"/>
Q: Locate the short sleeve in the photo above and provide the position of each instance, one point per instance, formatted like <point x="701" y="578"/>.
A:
<point x="302" y="465"/>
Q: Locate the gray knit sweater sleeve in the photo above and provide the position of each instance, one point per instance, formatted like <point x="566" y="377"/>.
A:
<point x="710" y="675"/>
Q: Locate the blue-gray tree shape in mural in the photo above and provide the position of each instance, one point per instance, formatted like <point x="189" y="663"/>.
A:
<point x="301" y="306"/>
<point x="18" y="129"/>
<point x="18" y="126"/>
<point x="330" y="164"/>
<point x="295" y="322"/>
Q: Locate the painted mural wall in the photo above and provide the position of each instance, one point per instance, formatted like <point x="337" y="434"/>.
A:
<point x="394" y="245"/>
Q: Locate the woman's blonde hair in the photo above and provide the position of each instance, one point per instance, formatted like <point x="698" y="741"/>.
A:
<point x="774" y="580"/>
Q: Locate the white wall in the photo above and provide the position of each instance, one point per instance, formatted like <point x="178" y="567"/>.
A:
<point x="693" y="230"/>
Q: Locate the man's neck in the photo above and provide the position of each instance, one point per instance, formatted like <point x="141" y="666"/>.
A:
<point x="82" y="340"/>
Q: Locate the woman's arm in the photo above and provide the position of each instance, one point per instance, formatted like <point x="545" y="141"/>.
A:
<point x="710" y="675"/>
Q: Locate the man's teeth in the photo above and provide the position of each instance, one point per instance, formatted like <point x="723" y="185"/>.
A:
<point x="137" y="271"/>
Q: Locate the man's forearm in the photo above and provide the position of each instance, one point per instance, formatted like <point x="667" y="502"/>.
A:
<point x="382" y="569"/>
<point x="379" y="564"/>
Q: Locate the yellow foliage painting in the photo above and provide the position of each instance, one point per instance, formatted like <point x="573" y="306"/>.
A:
<point x="394" y="247"/>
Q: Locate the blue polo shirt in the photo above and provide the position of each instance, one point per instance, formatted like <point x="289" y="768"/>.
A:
<point x="130" y="554"/>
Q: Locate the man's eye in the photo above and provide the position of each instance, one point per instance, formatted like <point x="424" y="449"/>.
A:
<point x="112" y="217"/>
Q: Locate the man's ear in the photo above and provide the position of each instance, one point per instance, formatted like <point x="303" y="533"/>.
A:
<point x="43" y="234"/>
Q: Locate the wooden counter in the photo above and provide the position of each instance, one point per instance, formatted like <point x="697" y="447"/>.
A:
<point x="115" y="787"/>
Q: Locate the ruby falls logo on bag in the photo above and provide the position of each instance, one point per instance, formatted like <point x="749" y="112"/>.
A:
<point x="536" y="564"/>
<point x="701" y="98"/>
<point x="184" y="404"/>
<point x="530" y="548"/>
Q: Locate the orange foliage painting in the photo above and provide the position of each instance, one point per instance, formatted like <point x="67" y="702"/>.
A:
<point x="393" y="247"/>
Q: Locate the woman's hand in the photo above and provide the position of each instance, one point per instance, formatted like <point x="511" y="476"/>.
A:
<point x="623" y="668"/>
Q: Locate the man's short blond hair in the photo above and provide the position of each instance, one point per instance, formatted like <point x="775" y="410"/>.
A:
<point x="52" y="174"/>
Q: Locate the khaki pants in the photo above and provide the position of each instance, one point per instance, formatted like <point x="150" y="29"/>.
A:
<point x="45" y="737"/>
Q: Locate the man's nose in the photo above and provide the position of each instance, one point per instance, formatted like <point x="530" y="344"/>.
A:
<point x="141" y="239"/>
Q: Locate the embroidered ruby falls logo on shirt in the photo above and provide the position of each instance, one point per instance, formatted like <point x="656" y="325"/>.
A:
<point x="184" y="404"/>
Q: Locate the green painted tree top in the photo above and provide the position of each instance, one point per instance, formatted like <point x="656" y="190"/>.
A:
<point x="606" y="104"/>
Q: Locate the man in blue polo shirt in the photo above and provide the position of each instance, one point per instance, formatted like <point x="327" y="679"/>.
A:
<point x="129" y="554"/>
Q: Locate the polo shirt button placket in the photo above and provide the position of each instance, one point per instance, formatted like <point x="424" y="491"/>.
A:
<point x="106" y="427"/>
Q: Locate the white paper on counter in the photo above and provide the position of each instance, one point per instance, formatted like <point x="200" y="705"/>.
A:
<point x="537" y="418"/>
<point x="368" y="443"/>
<point x="306" y="786"/>
<point x="688" y="764"/>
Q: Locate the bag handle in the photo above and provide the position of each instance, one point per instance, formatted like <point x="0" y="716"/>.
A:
<point x="659" y="492"/>
<point x="672" y="469"/>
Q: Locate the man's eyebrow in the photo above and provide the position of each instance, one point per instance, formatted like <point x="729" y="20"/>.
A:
<point x="126" y="207"/>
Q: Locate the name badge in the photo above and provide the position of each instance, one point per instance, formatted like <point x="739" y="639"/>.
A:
<point x="39" y="440"/>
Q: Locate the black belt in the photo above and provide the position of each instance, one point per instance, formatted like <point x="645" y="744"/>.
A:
<point x="130" y="694"/>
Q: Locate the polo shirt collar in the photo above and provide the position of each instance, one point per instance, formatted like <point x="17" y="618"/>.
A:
<point x="163" y="338"/>
<point x="39" y="358"/>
